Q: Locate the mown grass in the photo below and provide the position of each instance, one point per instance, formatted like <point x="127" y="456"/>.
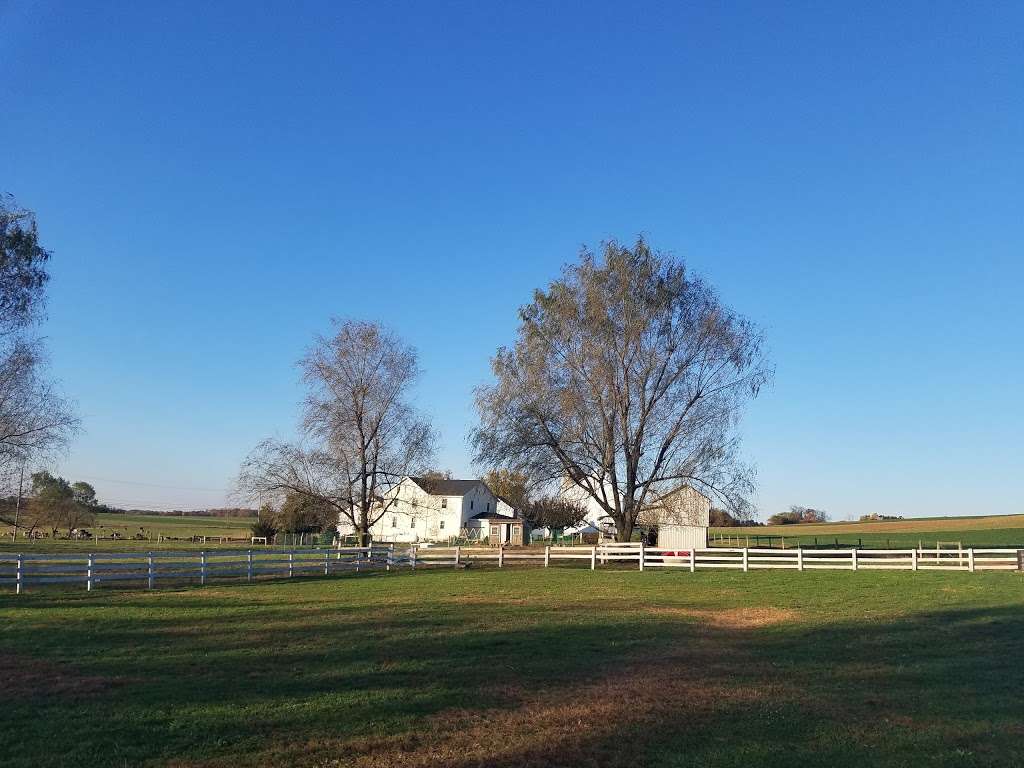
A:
<point x="521" y="667"/>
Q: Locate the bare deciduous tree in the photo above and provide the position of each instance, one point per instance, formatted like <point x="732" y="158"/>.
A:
<point x="35" y="420"/>
<point x="361" y="435"/>
<point x="627" y="380"/>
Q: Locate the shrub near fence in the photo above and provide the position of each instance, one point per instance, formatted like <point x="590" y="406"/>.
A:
<point x="152" y="568"/>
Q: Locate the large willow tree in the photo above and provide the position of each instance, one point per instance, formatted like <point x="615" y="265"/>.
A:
<point x="626" y="381"/>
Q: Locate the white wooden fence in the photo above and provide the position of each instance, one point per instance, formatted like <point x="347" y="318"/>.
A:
<point x="150" y="568"/>
<point x="745" y="559"/>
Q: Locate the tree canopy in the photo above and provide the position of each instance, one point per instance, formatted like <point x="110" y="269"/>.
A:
<point x="34" y="418"/>
<point x="510" y="485"/>
<point x="627" y="379"/>
<point x="361" y="435"/>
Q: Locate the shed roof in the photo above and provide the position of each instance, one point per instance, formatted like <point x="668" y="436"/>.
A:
<point x="496" y="516"/>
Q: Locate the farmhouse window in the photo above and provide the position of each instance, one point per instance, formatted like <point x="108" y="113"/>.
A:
<point x="394" y="522"/>
<point x="412" y="522"/>
<point x="444" y="503"/>
<point x="470" y="503"/>
<point x="442" y="524"/>
<point x="488" y="506"/>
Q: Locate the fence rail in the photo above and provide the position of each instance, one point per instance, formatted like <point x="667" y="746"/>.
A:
<point x="151" y="568"/>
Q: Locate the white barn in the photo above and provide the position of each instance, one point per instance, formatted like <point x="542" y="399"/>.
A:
<point x="682" y="518"/>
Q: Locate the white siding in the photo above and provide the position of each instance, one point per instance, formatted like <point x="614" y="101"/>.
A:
<point x="682" y="537"/>
<point x="416" y="515"/>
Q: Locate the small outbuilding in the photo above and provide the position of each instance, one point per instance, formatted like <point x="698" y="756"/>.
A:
<point x="681" y="519"/>
<point x="511" y="530"/>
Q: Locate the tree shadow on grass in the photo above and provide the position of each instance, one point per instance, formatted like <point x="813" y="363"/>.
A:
<point x="287" y="678"/>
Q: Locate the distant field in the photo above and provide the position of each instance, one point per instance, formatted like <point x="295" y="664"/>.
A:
<point x="152" y="527"/>
<point x="994" y="530"/>
<point x="540" y="668"/>
<point x="175" y="526"/>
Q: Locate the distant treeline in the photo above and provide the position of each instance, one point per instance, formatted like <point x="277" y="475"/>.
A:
<point x="219" y="512"/>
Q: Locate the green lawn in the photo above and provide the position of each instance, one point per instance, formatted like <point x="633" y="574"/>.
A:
<point x="521" y="667"/>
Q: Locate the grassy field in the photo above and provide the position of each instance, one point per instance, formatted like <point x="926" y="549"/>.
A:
<point x="521" y="667"/>
<point x="992" y="531"/>
<point x="152" y="527"/>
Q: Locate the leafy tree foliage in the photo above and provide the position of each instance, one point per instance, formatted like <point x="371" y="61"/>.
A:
<point x="555" y="512"/>
<point x="799" y="515"/>
<point x="84" y="493"/>
<point x="305" y="514"/>
<point x="55" y="503"/>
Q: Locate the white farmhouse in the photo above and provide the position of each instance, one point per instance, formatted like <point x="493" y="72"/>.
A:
<point x="421" y="509"/>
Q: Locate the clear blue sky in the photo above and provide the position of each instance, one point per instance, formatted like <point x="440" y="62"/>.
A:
<point x="216" y="183"/>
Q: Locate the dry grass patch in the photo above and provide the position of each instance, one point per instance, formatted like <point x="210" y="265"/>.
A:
<point x="26" y="677"/>
<point x="731" y="618"/>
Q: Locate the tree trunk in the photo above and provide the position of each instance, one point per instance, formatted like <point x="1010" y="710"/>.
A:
<point x="623" y="536"/>
<point x="364" y="536"/>
<point x="624" y="529"/>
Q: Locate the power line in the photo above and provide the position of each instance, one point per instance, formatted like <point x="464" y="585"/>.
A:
<point x="153" y="485"/>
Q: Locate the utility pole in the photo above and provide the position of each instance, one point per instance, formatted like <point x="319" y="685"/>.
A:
<point x="17" y="506"/>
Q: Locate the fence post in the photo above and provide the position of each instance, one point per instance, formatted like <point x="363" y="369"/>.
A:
<point x="202" y="568"/>
<point x="413" y="558"/>
<point x="20" y="572"/>
<point x="150" y="575"/>
<point x="501" y="555"/>
<point x="970" y="559"/>
<point x="593" y="558"/>
<point x="291" y="564"/>
<point x="327" y="562"/>
<point x="800" y="557"/>
<point x="547" y="555"/>
<point x="458" y="555"/>
<point x="641" y="555"/>
<point x="913" y="559"/>
<point x="359" y="556"/>
<point x="693" y="560"/>
<point x="88" y="574"/>
<point x="745" y="566"/>
<point x="854" y="551"/>
<point x="390" y="557"/>
<point x="248" y="569"/>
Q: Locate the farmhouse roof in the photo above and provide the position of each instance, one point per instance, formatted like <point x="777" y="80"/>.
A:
<point x="443" y="487"/>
